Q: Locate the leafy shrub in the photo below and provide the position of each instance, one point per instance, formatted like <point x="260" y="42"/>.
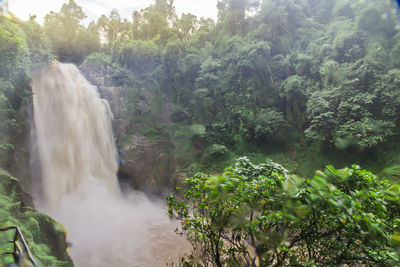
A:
<point x="263" y="213"/>
<point x="188" y="142"/>
<point x="198" y="131"/>
<point x="98" y="60"/>
<point x="215" y="151"/>
<point x="13" y="50"/>
<point x="138" y="56"/>
<point x="268" y="122"/>
<point x="6" y="151"/>
<point x="363" y="134"/>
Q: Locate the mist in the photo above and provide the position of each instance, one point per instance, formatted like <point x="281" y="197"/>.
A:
<point x="105" y="230"/>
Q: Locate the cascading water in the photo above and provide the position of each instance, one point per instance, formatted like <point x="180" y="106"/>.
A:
<point x="75" y="140"/>
<point x="78" y="162"/>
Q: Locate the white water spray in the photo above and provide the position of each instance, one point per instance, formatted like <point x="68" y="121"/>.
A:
<point x="78" y="163"/>
<point x="75" y="140"/>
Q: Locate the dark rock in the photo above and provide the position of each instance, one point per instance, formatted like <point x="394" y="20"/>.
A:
<point x="99" y="76"/>
<point x="149" y="163"/>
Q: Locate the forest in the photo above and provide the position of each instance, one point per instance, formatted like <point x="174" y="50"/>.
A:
<point x="272" y="131"/>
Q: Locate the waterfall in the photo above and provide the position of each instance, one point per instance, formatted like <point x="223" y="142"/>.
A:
<point x="74" y="134"/>
<point x="78" y="166"/>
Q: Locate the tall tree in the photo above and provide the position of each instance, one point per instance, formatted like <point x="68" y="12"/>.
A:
<point x="64" y="29"/>
<point x="187" y="25"/>
<point x="152" y="24"/>
<point x="167" y="9"/>
<point x="112" y="26"/>
<point x="233" y="13"/>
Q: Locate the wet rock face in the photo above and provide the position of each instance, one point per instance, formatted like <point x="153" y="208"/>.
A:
<point x="116" y="96"/>
<point x="149" y="164"/>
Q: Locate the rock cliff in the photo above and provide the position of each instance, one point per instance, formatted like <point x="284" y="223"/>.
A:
<point x="147" y="164"/>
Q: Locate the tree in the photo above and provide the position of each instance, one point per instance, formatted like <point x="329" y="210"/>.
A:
<point x="187" y="26"/>
<point x="70" y="41"/>
<point x="204" y="33"/>
<point x="322" y="119"/>
<point x="138" y="56"/>
<point x="153" y="25"/>
<point x="293" y="91"/>
<point x="232" y="14"/>
<point x="112" y="26"/>
<point x="22" y="47"/>
<point x="158" y="22"/>
<point x="268" y="122"/>
<point x="37" y="42"/>
<point x="167" y="9"/>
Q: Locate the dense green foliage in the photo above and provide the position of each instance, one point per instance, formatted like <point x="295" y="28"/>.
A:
<point x="70" y="41"/>
<point x="45" y="238"/>
<point x="308" y="81"/>
<point x="293" y="76"/>
<point x="299" y="77"/>
<point x="302" y="78"/>
<point x="264" y="214"/>
<point x="23" y="47"/>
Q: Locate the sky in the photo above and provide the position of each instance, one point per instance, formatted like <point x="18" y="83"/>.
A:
<point x="95" y="8"/>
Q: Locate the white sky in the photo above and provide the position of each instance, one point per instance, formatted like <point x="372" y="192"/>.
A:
<point x="95" y="8"/>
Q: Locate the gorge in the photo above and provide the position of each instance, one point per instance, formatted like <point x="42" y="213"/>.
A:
<point x="268" y="136"/>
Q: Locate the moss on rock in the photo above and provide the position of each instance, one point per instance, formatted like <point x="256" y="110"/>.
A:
<point x="46" y="238"/>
